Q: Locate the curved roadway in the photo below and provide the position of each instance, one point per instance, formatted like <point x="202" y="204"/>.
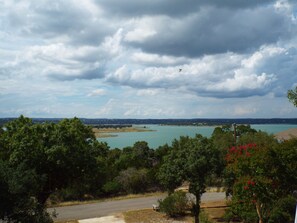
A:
<point x="105" y="208"/>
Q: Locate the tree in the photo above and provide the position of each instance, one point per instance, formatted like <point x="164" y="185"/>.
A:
<point x="60" y="154"/>
<point x="292" y="96"/>
<point x="256" y="191"/>
<point x="201" y="162"/>
<point x="17" y="190"/>
<point x="172" y="171"/>
<point x="192" y="160"/>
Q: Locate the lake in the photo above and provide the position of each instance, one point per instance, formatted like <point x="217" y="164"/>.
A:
<point x="163" y="134"/>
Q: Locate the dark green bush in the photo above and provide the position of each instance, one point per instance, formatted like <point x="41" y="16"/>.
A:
<point x="175" y="204"/>
<point x="283" y="211"/>
<point x="133" y="180"/>
<point x="112" y="187"/>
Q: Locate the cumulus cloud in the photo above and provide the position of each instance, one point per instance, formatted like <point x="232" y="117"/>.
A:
<point x="153" y="57"/>
<point x="170" y="7"/>
<point x="157" y="60"/>
<point x="221" y="76"/>
<point x="72" y="20"/>
<point x="198" y="34"/>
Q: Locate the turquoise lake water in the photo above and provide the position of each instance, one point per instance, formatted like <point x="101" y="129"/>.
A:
<point x="166" y="134"/>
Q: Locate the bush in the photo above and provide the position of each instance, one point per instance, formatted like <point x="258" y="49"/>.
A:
<point x="203" y="218"/>
<point x="175" y="204"/>
<point x="283" y="211"/>
<point x="112" y="188"/>
<point x="133" y="180"/>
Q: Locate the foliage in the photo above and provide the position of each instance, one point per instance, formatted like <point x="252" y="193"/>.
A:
<point x="57" y="156"/>
<point x="171" y="174"/>
<point x="133" y="180"/>
<point x="138" y="156"/>
<point x="17" y="189"/>
<point x="112" y="187"/>
<point x="62" y="154"/>
<point x="175" y="204"/>
<point x="292" y="96"/>
<point x="254" y="189"/>
<point x="203" y="218"/>
<point x="283" y="210"/>
<point x="192" y="160"/>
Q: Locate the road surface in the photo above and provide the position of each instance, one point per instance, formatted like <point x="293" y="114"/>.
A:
<point x="105" y="208"/>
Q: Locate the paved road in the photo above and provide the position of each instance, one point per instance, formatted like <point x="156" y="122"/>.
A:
<point x="112" y="207"/>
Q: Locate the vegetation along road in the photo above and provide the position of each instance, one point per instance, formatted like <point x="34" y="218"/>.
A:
<point x="111" y="207"/>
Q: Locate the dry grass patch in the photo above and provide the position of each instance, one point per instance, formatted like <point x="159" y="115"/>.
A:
<point x="69" y="221"/>
<point x="150" y="216"/>
<point x="215" y="210"/>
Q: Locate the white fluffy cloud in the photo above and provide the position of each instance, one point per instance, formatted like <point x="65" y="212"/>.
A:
<point x="222" y="75"/>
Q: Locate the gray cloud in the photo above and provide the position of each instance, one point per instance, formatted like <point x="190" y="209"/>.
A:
<point x="236" y="50"/>
<point x="74" y="75"/>
<point x="54" y="19"/>
<point x="174" y="8"/>
<point x="284" y="66"/>
<point x="214" y="30"/>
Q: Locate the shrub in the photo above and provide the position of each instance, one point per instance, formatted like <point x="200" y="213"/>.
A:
<point x="175" y="204"/>
<point x="283" y="211"/>
<point x="133" y="180"/>
<point x="112" y="187"/>
<point x="203" y="218"/>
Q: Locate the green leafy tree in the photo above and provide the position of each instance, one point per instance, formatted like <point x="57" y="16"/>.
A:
<point x="61" y="154"/>
<point x="292" y="96"/>
<point x="255" y="189"/>
<point x="17" y="190"/>
<point x="192" y="160"/>
<point x="171" y="173"/>
<point x="202" y="161"/>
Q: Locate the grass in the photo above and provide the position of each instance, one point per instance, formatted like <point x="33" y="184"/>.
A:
<point x="69" y="221"/>
<point x="215" y="210"/>
<point x="212" y="212"/>
<point x="150" y="216"/>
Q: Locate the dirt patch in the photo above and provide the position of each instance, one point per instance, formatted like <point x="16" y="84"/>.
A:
<point x="69" y="221"/>
<point x="150" y="216"/>
<point x="214" y="210"/>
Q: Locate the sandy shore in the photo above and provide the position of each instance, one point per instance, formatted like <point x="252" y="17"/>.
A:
<point x="109" y="132"/>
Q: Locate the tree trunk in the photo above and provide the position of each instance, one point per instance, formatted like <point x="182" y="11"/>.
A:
<point x="42" y="197"/>
<point x="196" y="208"/>
<point x="258" y="208"/>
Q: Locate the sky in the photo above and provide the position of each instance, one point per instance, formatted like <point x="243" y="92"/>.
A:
<point x="148" y="58"/>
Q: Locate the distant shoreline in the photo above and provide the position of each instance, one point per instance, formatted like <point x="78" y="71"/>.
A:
<point x="204" y="121"/>
<point x="108" y="132"/>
